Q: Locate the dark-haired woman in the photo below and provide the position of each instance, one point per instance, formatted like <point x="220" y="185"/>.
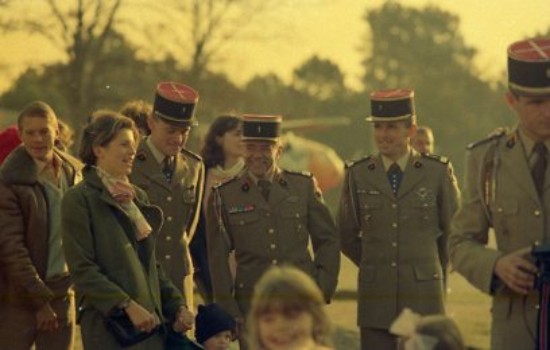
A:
<point x="222" y="154"/>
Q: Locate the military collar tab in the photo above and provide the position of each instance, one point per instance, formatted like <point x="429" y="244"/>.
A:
<point x="141" y="156"/>
<point x="245" y="187"/>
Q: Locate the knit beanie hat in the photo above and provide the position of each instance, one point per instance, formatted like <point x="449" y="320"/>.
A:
<point x="211" y="320"/>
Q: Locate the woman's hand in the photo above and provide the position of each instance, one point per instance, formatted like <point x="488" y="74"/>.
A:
<point x="142" y="319"/>
<point x="184" y="320"/>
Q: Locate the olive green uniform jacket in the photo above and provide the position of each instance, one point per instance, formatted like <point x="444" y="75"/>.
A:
<point x="180" y="201"/>
<point x="398" y="242"/>
<point x="101" y="250"/>
<point x="499" y="193"/>
<point x="264" y="234"/>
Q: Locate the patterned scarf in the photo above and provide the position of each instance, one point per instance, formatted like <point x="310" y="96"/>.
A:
<point x="123" y="193"/>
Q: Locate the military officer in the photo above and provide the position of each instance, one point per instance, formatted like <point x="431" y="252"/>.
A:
<point x="173" y="178"/>
<point x="268" y="216"/>
<point x="394" y="220"/>
<point x="507" y="187"/>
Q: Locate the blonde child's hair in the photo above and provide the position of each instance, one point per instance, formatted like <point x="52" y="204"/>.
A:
<point x="288" y="290"/>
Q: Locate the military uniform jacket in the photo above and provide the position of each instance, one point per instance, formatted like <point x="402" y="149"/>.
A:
<point x="398" y="242"/>
<point x="499" y="192"/>
<point x="269" y="233"/>
<point x="180" y="201"/>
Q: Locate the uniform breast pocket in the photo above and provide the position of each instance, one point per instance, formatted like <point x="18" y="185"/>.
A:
<point x="295" y="218"/>
<point x="505" y="216"/>
<point x="189" y="195"/>
<point x="370" y="202"/>
<point x="243" y="221"/>
<point x="425" y="212"/>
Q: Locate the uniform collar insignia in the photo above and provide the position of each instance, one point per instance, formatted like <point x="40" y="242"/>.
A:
<point x="141" y="156"/>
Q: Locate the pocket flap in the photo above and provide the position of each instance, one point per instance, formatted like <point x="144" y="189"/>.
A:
<point x="426" y="272"/>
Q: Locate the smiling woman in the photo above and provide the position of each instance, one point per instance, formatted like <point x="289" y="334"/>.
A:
<point x="109" y="232"/>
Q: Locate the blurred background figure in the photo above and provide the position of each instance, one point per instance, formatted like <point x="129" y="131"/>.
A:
<point x="222" y="155"/>
<point x="433" y="332"/>
<point x="423" y="140"/>
<point x="9" y="139"/>
<point x="66" y="136"/>
<point x="138" y="111"/>
<point x="288" y="312"/>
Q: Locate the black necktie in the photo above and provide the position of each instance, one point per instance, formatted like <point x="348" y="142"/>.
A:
<point x="168" y="167"/>
<point x="264" y="187"/>
<point x="539" y="167"/>
<point x="395" y="175"/>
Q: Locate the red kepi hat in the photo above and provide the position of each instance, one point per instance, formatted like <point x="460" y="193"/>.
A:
<point x="175" y="103"/>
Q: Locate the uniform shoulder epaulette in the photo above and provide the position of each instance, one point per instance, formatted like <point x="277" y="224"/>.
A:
<point x="302" y="173"/>
<point x="191" y="154"/>
<point x="351" y="163"/>
<point x="221" y="184"/>
<point x="441" y="159"/>
<point x="493" y="136"/>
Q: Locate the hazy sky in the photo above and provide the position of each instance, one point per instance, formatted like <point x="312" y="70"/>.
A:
<point x="335" y="29"/>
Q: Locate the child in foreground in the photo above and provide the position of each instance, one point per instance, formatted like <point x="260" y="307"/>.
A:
<point x="214" y="328"/>
<point x="287" y="313"/>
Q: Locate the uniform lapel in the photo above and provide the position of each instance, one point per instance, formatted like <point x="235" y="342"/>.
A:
<point x="180" y="169"/>
<point x="514" y="161"/>
<point x="279" y="190"/>
<point x="413" y="174"/>
<point x="376" y="175"/>
<point x="150" y="168"/>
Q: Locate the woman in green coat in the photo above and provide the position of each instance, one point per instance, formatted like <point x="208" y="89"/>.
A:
<point x="109" y="232"/>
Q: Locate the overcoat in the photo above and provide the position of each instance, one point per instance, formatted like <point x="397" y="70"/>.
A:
<point x="265" y="233"/>
<point x="398" y="241"/>
<point x="104" y="261"/>
<point x="499" y="193"/>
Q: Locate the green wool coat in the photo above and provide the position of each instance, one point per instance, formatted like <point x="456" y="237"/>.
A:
<point x="101" y="253"/>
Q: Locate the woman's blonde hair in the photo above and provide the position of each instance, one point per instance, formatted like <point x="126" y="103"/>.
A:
<point x="288" y="290"/>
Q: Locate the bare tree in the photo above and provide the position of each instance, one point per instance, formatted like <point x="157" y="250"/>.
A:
<point x="200" y="30"/>
<point x="79" y="29"/>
